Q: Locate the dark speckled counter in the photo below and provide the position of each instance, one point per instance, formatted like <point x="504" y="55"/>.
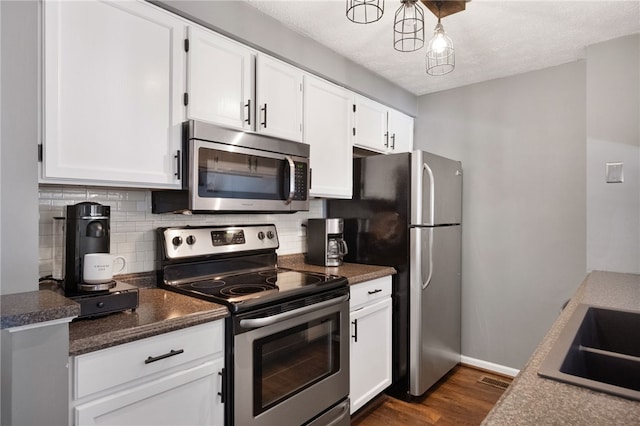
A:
<point x="355" y="273"/>
<point x="160" y="311"/>
<point x="34" y="307"/>
<point x="533" y="400"/>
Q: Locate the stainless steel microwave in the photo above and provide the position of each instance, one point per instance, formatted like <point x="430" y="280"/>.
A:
<point x="226" y="170"/>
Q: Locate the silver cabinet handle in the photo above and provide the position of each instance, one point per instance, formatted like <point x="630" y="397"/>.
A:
<point x="178" y="172"/>
<point x="248" y="106"/>
<point x="393" y="141"/>
<point x="355" y="330"/>
<point x="264" y="123"/>
<point x="261" y="322"/>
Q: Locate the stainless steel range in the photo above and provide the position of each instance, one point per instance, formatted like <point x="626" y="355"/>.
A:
<point x="287" y="339"/>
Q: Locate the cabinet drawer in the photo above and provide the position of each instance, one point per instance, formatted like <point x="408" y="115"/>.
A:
<point x="369" y="291"/>
<point x="104" y="369"/>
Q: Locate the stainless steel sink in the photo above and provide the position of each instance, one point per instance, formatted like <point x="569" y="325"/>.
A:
<point x="599" y="348"/>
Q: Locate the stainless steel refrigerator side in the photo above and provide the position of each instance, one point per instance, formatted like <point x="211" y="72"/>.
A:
<point x="434" y="305"/>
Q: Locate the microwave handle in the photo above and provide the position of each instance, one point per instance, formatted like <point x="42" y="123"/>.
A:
<point x="292" y="179"/>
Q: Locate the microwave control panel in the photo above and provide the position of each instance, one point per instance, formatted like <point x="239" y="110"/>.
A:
<point x="301" y="181"/>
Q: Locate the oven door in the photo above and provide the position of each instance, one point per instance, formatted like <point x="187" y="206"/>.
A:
<point x="293" y="366"/>
<point x="231" y="178"/>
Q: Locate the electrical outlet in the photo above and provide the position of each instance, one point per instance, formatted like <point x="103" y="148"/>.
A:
<point x="614" y="173"/>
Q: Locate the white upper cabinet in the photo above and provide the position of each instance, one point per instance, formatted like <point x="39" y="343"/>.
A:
<point x="278" y="98"/>
<point x="220" y="80"/>
<point x="380" y="128"/>
<point x="114" y="76"/>
<point x="370" y="124"/>
<point x="327" y="130"/>
<point x="400" y="132"/>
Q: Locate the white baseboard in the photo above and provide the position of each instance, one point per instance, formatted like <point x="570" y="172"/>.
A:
<point x="490" y="366"/>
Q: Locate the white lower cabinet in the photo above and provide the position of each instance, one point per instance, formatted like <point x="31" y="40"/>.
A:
<point x="171" y="379"/>
<point x="370" y="358"/>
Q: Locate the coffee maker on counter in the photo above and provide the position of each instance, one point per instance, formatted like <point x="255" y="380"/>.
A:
<point x="325" y="242"/>
<point x="87" y="232"/>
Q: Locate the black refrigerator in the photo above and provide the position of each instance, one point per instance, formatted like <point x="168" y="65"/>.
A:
<point x="406" y="212"/>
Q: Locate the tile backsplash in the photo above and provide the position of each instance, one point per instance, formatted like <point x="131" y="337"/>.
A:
<point x="133" y="225"/>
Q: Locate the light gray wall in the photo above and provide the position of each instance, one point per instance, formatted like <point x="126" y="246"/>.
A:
<point x="19" y="133"/>
<point x="613" y="135"/>
<point x="522" y="144"/>
<point x="246" y="24"/>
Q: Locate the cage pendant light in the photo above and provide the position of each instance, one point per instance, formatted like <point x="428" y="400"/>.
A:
<point x="408" y="27"/>
<point x="364" y="11"/>
<point x="441" y="58"/>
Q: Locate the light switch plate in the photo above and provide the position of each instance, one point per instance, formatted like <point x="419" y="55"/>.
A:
<point x="614" y="173"/>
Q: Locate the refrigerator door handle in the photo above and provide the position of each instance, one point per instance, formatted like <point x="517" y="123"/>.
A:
<point x="432" y="187"/>
<point x="425" y="283"/>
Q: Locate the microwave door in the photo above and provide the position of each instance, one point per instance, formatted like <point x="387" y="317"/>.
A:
<point x="231" y="178"/>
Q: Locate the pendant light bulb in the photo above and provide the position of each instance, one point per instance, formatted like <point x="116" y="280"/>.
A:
<point x="440" y="53"/>
<point x="439" y="42"/>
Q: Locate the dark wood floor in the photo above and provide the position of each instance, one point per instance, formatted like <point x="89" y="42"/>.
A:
<point x="458" y="399"/>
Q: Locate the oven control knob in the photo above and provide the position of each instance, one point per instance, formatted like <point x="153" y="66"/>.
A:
<point x="191" y="240"/>
<point x="177" y="241"/>
<point x="269" y="234"/>
<point x="261" y="235"/>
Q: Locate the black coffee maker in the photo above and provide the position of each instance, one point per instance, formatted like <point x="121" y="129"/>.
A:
<point x="88" y="231"/>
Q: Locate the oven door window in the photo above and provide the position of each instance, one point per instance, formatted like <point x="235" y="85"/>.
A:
<point x="224" y="174"/>
<point x="288" y="362"/>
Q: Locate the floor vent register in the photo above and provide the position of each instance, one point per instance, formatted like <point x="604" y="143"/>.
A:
<point x="495" y="382"/>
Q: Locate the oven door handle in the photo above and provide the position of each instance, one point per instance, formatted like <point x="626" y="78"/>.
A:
<point x="262" y="322"/>
<point x="292" y="179"/>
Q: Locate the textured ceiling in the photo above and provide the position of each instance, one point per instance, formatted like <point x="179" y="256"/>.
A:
<point x="492" y="38"/>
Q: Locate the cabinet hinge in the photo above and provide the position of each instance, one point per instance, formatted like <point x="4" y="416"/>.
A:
<point x="186" y="44"/>
<point x="40" y="153"/>
<point x="354" y="107"/>
<point x="186" y="99"/>
<point x="354" y="131"/>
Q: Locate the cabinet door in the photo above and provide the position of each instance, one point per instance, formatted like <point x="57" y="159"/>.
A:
<point x="278" y="98"/>
<point x="219" y="80"/>
<point x="187" y="397"/>
<point x="327" y="130"/>
<point x="400" y="132"/>
<point x="114" y="78"/>
<point x="370" y="362"/>
<point x="371" y="125"/>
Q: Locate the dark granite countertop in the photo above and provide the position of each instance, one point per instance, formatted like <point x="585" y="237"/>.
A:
<point x="32" y="307"/>
<point x="355" y="273"/>
<point x="159" y="311"/>
<point x="533" y="400"/>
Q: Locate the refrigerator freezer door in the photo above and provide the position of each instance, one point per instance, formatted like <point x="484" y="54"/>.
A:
<point x="434" y="305"/>
<point x="436" y="195"/>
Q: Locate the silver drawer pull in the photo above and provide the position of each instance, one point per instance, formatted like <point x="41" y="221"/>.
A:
<point x="167" y="355"/>
<point x="377" y="290"/>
